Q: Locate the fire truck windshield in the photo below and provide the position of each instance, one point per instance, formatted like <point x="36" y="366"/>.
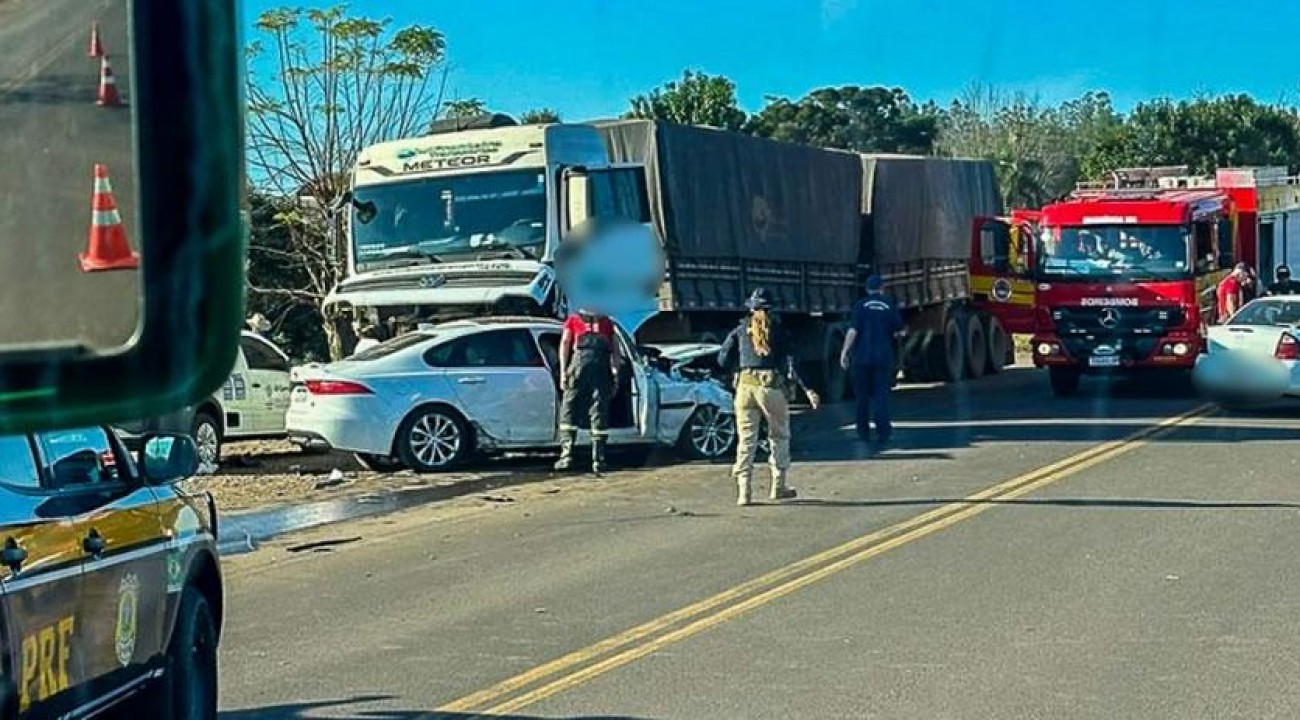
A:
<point x="1115" y="252"/>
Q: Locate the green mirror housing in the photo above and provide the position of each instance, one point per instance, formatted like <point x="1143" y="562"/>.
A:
<point x="185" y="106"/>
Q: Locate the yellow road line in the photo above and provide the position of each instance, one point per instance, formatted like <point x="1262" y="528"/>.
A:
<point x="789" y="578"/>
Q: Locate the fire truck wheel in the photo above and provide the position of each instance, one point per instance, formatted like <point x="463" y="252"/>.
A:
<point x="997" y="340"/>
<point x="951" y="351"/>
<point x="977" y="346"/>
<point x="1065" y="381"/>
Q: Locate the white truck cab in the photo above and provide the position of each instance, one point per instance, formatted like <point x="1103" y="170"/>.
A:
<point x="465" y="224"/>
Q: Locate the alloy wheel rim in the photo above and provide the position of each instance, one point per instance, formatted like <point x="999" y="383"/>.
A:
<point x="435" y="439"/>
<point x="712" y="432"/>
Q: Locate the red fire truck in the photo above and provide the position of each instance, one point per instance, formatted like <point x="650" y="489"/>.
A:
<point x="1126" y="273"/>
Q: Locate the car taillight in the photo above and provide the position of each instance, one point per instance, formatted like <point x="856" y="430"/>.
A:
<point x="1288" y="348"/>
<point x="336" y="387"/>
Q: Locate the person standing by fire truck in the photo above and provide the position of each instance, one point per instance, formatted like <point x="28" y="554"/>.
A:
<point x="1230" y="293"/>
<point x="588" y="378"/>
<point x="1283" y="284"/>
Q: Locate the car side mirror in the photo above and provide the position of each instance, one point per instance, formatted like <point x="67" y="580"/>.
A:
<point x="123" y="276"/>
<point x="166" y="459"/>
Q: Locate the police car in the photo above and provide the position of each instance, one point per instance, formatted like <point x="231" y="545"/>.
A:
<point x="110" y="586"/>
<point x="251" y="405"/>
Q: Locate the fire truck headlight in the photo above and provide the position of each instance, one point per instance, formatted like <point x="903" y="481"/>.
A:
<point x="1181" y="349"/>
<point x="1046" y="349"/>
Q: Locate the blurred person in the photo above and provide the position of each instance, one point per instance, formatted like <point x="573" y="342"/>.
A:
<point x="1283" y="284"/>
<point x="869" y="353"/>
<point x="765" y="356"/>
<point x="588" y="377"/>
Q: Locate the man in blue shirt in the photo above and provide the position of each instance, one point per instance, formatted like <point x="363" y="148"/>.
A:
<point x="869" y="353"/>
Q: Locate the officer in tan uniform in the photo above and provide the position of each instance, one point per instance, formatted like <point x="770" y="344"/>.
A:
<point x="764" y="353"/>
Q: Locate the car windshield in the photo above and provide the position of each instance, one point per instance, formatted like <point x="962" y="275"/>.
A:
<point x="1114" y="252"/>
<point x="433" y="219"/>
<point x="1284" y="313"/>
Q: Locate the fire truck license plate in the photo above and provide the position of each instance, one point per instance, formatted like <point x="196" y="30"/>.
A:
<point x="1103" y="361"/>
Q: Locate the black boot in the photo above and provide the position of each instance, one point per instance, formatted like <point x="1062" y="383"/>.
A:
<point x="567" y="440"/>
<point x="597" y="456"/>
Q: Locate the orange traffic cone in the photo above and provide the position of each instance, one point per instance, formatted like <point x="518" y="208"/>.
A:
<point x="108" y="96"/>
<point x="108" y="248"/>
<point x="96" y="45"/>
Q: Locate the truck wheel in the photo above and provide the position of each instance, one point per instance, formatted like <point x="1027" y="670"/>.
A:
<point x="837" y="379"/>
<point x="915" y="358"/>
<point x="950" y="353"/>
<point x="1065" y="381"/>
<point x="998" y="343"/>
<point x="977" y="346"/>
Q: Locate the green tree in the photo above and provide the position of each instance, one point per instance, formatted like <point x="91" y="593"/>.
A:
<point x="540" y="116"/>
<point x="1027" y="142"/>
<point x="696" y="99"/>
<point x="1209" y="133"/>
<point x="462" y="109"/>
<point x="870" y="119"/>
<point x="322" y="85"/>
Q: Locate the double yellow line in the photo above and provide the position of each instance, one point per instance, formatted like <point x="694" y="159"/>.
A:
<point x="578" y="667"/>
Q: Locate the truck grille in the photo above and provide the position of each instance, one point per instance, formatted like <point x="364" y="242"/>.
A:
<point x="433" y="281"/>
<point x="1131" y="332"/>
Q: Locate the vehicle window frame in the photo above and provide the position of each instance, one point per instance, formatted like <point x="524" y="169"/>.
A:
<point x="281" y="362"/>
<point x="454" y="344"/>
<point x="127" y="475"/>
<point x="37" y="465"/>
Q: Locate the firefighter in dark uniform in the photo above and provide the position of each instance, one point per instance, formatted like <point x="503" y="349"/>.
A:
<point x="1284" y="285"/>
<point x="869" y="352"/>
<point x="588" y="377"/>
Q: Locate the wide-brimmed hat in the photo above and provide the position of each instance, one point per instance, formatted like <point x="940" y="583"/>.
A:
<point x="760" y="299"/>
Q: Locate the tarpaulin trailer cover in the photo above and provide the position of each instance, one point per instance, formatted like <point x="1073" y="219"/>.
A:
<point x="922" y="208"/>
<point x="723" y="195"/>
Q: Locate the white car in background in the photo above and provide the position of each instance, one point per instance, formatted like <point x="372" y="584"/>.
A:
<point x="1254" y="358"/>
<point x="250" y="405"/>
<point x="436" y="398"/>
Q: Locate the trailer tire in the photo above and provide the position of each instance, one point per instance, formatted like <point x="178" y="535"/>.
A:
<point x="916" y="359"/>
<point x="977" y="346"/>
<point x="948" y="356"/>
<point x="835" y="377"/>
<point x="999" y="344"/>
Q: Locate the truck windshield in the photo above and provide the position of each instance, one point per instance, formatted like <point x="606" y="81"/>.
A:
<point x="1114" y="252"/>
<point x="435" y="219"/>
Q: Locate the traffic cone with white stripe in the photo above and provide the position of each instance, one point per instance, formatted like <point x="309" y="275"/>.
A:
<point x="107" y="248"/>
<point x="96" y="44"/>
<point x="108" y="95"/>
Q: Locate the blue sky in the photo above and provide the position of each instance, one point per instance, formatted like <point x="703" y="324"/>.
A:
<point x="587" y="57"/>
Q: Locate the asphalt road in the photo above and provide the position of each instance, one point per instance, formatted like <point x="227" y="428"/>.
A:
<point x="53" y="136"/>
<point x="1099" y="578"/>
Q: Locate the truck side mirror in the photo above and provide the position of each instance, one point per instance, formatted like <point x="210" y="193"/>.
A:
<point x="577" y="197"/>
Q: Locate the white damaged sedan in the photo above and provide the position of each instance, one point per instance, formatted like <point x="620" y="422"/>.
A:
<point x="1253" y="359"/>
<point x="437" y="398"/>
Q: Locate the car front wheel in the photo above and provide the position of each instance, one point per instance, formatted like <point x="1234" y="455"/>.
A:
<point x="207" y="440"/>
<point x="434" y="440"/>
<point x="710" y="434"/>
<point x="188" y="690"/>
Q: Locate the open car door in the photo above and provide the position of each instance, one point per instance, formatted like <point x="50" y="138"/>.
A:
<point x="645" y="389"/>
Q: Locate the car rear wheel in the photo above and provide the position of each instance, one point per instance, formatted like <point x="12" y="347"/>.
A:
<point x="207" y="439"/>
<point x="434" y="439"/>
<point x="710" y="434"/>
